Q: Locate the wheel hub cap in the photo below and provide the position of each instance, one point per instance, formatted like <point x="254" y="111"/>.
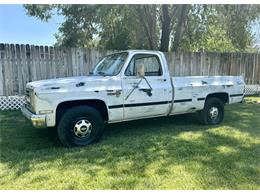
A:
<point x="213" y="113"/>
<point x="82" y="128"/>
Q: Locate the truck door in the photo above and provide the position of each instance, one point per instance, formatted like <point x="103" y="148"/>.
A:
<point x="149" y="95"/>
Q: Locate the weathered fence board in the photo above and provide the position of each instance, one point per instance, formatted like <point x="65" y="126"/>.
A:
<point x="194" y="64"/>
<point x="20" y="64"/>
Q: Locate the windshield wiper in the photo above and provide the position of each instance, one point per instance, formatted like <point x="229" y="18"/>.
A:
<point x="99" y="72"/>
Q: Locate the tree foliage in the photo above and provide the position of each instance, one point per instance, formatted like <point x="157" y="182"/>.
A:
<point x="220" y="27"/>
<point x="157" y="27"/>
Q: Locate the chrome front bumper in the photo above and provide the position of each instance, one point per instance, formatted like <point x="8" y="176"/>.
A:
<point x="38" y="120"/>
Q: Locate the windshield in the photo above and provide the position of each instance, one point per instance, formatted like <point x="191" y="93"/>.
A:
<point x="110" y="65"/>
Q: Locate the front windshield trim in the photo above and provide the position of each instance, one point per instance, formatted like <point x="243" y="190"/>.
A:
<point x="119" y="71"/>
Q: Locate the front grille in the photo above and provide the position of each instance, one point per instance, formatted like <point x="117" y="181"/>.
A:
<point x="28" y="98"/>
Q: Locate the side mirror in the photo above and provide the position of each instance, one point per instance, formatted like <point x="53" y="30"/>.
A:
<point x="140" y="70"/>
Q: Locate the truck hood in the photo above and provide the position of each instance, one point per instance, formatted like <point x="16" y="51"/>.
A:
<point x="66" y="83"/>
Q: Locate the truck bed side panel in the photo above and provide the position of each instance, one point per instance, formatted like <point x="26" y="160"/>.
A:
<point x="190" y="93"/>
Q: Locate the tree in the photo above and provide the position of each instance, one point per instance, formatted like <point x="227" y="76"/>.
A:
<point x="219" y="27"/>
<point x="158" y="27"/>
<point x="182" y="18"/>
<point x="147" y="19"/>
<point x="166" y="28"/>
<point x="237" y="19"/>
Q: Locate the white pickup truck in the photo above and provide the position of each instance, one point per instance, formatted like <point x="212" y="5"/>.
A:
<point x="125" y="86"/>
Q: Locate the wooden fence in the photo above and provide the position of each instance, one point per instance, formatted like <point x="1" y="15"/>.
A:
<point x="20" y="64"/>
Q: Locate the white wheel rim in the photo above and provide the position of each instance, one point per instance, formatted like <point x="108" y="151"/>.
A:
<point x="82" y="128"/>
<point x="213" y="113"/>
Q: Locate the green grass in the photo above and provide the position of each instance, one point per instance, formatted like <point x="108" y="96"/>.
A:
<point x="162" y="153"/>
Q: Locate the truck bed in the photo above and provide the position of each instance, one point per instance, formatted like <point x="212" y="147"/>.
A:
<point x="193" y="90"/>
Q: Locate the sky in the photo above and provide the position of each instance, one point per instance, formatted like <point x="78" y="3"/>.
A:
<point x="18" y="28"/>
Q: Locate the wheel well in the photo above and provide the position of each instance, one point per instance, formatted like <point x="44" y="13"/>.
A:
<point x="97" y="104"/>
<point x="222" y="96"/>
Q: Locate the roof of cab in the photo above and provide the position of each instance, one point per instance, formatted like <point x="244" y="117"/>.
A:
<point x="136" y="51"/>
<point x="142" y="51"/>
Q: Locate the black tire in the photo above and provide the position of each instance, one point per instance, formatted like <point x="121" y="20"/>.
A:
<point x="206" y="116"/>
<point x="67" y="131"/>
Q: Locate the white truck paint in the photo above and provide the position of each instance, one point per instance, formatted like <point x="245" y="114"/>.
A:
<point x="124" y="95"/>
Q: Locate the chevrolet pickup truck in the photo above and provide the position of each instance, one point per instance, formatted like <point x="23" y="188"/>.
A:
<point x="128" y="85"/>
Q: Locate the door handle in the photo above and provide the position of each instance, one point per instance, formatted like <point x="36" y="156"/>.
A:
<point x="148" y="91"/>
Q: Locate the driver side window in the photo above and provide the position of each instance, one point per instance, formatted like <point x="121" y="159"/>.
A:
<point x="151" y="64"/>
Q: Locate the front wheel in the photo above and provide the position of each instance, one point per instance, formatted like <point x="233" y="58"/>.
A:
<point x="213" y="112"/>
<point x="80" y="126"/>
